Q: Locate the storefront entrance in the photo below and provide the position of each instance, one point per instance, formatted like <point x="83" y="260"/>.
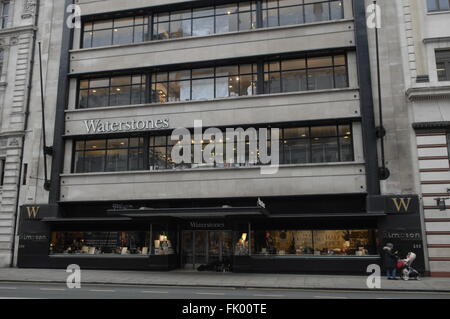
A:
<point x="205" y="247"/>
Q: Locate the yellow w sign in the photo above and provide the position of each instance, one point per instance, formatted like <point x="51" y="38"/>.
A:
<point x="402" y="203"/>
<point x="33" y="212"/>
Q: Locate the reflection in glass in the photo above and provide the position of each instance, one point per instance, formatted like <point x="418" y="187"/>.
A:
<point x="315" y="242"/>
<point x="100" y="243"/>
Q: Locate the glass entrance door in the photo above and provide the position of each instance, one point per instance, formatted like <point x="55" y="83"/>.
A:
<point x="204" y="247"/>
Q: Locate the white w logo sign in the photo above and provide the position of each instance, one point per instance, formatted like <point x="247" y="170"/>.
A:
<point x="33" y="212"/>
<point x="401" y="203"/>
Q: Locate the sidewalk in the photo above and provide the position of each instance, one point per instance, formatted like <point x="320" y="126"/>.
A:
<point x="211" y="279"/>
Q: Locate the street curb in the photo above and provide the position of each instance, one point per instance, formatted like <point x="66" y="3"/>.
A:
<point x="228" y="286"/>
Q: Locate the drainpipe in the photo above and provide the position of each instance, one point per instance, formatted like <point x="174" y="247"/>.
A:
<point x="25" y="129"/>
<point x="61" y="102"/>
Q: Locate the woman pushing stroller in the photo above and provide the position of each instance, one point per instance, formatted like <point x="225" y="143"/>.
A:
<point x="405" y="267"/>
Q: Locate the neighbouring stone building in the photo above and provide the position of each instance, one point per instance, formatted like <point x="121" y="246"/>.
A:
<point x="426" y="55"/>
<point x="23" y="24"/>
<point x="17" y="40"/>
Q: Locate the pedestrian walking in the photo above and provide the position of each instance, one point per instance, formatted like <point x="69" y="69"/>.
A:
<point x="390" y="259"/>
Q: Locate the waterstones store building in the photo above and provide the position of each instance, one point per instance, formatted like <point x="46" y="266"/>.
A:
<point x="118" y="200"/>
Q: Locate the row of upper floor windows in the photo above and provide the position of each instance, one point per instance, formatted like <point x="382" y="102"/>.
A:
<point x="297" y="145"/>
<point x="217" y="19"/>
<point x="305" y="72"/>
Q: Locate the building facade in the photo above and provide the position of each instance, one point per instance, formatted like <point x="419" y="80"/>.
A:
<point x="136" y="71"/>
<point x="426" y="47"/>
<point x="17" y="46"/>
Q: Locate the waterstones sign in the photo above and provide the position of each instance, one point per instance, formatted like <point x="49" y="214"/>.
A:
<point x="101" y="126"/>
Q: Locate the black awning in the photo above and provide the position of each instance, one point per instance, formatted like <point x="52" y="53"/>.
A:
<point x="197" y="212"/>
<point x="84" y="220"/>
<point x="330" y="215"/>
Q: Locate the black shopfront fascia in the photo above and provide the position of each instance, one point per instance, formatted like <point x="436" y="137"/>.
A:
<point x="238" y="225"/>
<point x="393" y="221"/>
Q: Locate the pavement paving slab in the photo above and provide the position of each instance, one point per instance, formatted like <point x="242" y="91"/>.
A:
<point x="211" y="279"/>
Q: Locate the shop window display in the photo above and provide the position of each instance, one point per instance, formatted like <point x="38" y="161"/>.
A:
<point x="162" y="245"/>
<point x="242" y="245"/>
<point x="100" y="243"/>
<point x="314" y="243"/>
<point x="163" y="241"/>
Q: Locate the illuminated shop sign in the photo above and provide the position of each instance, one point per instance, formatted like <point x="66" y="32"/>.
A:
<point x="101" y="126"/>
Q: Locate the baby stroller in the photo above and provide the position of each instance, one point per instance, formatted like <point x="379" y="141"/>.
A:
<point x="407" y="272"/>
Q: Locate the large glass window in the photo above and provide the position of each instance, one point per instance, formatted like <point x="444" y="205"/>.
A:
<point x="298" y="145"/>
<point x="4" y="13"/>
<point x="287" y="12"/>
<point x="101" y="243"/>
<point x="112" y="91"/>
<point x="314" y="242"/>
<point x="438" y="5"/>
<point x="307" y="73"/>
<point x="206" y="83"/>
<point x="443" y="64"/>
<point x="158" y="240"/>
<point x="317" y="144"/>
<point x="112" y="155"/>
<point x="205" y="21"/>
<point x="115" y="31"/>
<point x="280" y="75"/>
<point x="2" y="56"/>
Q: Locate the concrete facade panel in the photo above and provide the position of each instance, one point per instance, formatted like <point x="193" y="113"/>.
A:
<point x="245" y="182"/>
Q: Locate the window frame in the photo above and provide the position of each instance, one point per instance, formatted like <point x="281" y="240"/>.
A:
<point x="5" y="5"/>
<point x="145" y="26"/>
<point x="310" y="139"/>
<point x="437" y="5"/>
<point x="143" y="97"/>
<point x="191" y="79"/>
<point x="265" y="9"/>
<point x="280" y="70"/>
<point x="2" y="171"/>
<point x="2" y="61"/>
<point x="129" y="148"/>
<point x="447" y="135"/>
<point x="445" y="59"/>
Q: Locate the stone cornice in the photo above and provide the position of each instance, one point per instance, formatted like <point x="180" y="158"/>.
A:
<point x="431" y="125"/>
<point x="12" y="134"/>
<point x="15" y="30"/>
<point x="428" y="93"/>
<point x="438" y="39"/>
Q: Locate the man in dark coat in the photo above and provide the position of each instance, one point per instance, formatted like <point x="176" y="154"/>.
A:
<point x="390" y="259"/>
